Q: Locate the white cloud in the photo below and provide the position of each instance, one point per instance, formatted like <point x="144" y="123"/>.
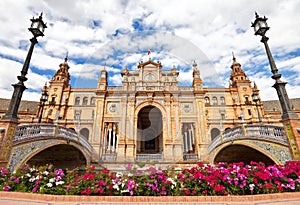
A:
<point x="178" y="33"/>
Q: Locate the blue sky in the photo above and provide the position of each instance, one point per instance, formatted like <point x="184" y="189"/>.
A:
<point x="119" y="33"/>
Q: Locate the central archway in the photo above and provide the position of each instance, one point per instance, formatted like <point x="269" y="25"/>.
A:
<point x="149" y="131"/>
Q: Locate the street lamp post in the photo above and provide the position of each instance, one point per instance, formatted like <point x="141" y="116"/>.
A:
<point x="255" y="99"/>
<point x="37" y="29"/>
<point x="44" y="98"/>
<point x="260" y="28"/>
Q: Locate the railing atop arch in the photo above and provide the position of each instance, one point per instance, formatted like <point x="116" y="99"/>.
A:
<point x="31" y="131"/>
<point x="257" y="132"/>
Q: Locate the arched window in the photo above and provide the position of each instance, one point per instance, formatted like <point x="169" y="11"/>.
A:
<point x="85" y="132"/>
<point x="215" y="101"/>
<point x="93" y="100"/>
<point x="214" y="133"/>
<point x="85" y="101"/>
<point x="77" y="100"/>
<point x="222" y="100"/>
<point x="206" y="99"/>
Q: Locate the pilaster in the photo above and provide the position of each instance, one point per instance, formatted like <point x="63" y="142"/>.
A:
<point x="7" y="135"/>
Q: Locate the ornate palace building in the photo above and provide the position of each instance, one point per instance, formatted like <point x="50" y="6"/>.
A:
<point x="150" y="117"/>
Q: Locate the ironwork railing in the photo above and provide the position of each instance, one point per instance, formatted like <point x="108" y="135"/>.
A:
<point x="32" y="131"/>
<point x="258" y="132"/>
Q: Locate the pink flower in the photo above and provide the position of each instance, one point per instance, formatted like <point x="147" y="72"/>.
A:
<point x="6" y="188"/>
<point x="129" y="166"/>
<point x="68" y="187"/>
<point x="35" y="188"/>
<point x="16" y="180"/>
<point x="4" y="171"/>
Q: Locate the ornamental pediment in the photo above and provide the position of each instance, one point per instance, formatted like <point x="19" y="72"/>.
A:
<point x="149" y="64"/>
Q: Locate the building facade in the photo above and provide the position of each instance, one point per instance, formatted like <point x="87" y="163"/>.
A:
<point x="151" y="117"/>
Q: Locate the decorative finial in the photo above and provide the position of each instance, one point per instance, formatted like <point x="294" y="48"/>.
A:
<point x="255" y="86"/>
<point x="45" y="86"/>
<point x="256" y="15"/>
<point x="233" y="57"/>
<point x="194" y="64"/>
<point x="41" y="15"/>
<point x="66" y="58"/>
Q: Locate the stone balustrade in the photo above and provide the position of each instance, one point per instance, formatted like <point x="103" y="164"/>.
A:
<point x="31" y="131"/>
<point x="257" y="132"/>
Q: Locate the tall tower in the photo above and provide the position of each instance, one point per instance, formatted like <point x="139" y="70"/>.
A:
<point x="102" y="82"/>
<point x="241" y="91"/>
<point x="59" y="92"/>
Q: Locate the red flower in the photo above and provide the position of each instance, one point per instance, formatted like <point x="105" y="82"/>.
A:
<point x="187" y="192"/>
<point x="269" y="186"/>
<point x="105" y="171"/>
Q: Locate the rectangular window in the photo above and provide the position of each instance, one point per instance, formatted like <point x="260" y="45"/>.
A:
<point x="249" y="112"/>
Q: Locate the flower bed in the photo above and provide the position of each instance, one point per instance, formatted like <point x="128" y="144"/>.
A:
<point x="201" y="180"/>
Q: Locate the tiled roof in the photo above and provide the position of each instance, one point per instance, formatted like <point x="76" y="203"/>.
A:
<point x="274" y="105"/>
<point x="25" y="106"/>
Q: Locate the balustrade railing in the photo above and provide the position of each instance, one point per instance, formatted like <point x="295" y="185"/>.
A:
<point x="149" y="157"/>
<point x="266" y="132"/>
<point x="31" y="131"/>
<point x="190" y="157"/>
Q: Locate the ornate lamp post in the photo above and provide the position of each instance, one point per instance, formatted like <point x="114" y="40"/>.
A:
<point x="44" y="98"/>
<point x="37" y="29"/>
<point x="260" y="28"/>
<point x="255" y="99"/>
<point x="290" y="119"/>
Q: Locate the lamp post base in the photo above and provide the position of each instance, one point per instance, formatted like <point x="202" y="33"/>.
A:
<point x="293" y="135"/>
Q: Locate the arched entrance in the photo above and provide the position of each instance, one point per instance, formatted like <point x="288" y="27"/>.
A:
<point x="241" y="153"/>
<point x="60" y="156"/>
<point x="149" y="131"/>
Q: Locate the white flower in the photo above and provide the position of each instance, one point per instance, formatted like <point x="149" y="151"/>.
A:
<point x="32" y="179"/>
<point x="51" y="180"/>
<point x="45" y="172"/>
<point x="119" y="174"/>
<point x="59" y="182"/>
<point x="251" y="186"/>
<point x="28" y="175"/>
<point x="116" y="187"/>
<point x="49" y="184"/>
<point x="32" y="169"/>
